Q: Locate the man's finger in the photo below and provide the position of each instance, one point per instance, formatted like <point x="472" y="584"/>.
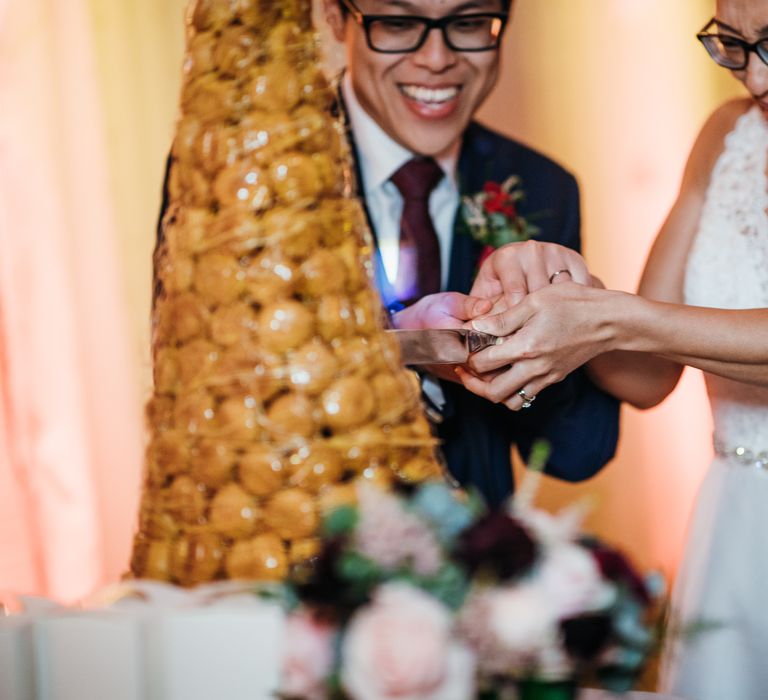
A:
<point x="577" y="270"/>
<point x="478" y="307"/>
<point x="502" y="324"/>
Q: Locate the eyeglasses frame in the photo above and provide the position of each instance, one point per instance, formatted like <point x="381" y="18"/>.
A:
<point x="748" y="47"/>
<point x="429" y="23"/>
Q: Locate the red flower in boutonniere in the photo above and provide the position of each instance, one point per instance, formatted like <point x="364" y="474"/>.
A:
<point x="492" y="216"/>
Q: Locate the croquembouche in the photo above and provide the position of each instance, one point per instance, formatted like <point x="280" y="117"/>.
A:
<point x="275" y="384"/>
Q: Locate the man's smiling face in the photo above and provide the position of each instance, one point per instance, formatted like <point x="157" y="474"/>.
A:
<point x="424" y="99"/>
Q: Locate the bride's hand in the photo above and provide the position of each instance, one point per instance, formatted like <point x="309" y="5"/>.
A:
<point x="548" y="334"/>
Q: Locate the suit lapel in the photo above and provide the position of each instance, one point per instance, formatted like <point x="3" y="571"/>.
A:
<point x="472" y="173"/>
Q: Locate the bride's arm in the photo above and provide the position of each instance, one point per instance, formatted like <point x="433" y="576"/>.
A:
<point x="679" y="335"/>
<point x="635" y="346"/>
<point x="731" y="343"/>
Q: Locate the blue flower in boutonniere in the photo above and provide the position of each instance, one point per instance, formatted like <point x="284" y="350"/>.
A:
<point x="492" y="217"/>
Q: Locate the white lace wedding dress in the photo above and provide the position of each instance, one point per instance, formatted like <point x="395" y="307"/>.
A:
<point x="724" y="574"/>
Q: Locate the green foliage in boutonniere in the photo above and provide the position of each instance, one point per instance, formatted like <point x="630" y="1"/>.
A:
<point x="492" y="217"/>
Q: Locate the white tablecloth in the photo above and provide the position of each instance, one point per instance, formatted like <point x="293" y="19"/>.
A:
<point x="163" y="644"/>
<point x="637" y="695"/>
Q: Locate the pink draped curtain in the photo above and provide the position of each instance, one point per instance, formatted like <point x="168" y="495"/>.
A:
<point x="70" y="428"/>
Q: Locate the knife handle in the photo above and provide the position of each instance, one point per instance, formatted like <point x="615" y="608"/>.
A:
<point x="477" y="341"/>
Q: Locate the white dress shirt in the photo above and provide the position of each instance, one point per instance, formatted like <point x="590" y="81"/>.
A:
<point x="379" y="157"/>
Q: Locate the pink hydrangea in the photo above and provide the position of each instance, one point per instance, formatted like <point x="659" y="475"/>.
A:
<point x="391" y="536"/>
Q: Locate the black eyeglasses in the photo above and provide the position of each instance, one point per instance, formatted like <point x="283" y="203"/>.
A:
<point x="730" y="51"/>
<point x="407" y="33"/>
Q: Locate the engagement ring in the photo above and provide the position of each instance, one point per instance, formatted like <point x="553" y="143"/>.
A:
<point x="527" y="400"/>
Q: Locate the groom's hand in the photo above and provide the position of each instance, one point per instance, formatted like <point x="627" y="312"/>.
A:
<point x="442" y="310"/>
<point x="517" y="269"/>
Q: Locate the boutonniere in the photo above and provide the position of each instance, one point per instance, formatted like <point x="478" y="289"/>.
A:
<point x="492" y="217"/>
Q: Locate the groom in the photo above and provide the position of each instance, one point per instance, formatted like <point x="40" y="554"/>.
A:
<point x="417" y="72"/>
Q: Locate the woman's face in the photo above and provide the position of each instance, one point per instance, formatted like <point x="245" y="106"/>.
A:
<point x="748" y="20"/>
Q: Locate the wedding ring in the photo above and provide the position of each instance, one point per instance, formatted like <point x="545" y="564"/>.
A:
<point x="559" y="272"/>
<point x="527" y="400"/>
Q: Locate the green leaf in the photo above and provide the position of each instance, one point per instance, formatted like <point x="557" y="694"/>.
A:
<point x="353" y="566"/>
<point x="615" y="679"/>
<point x="537" y="459"/>
<point x="450" y="585"/>
<point x="340" y="521"/>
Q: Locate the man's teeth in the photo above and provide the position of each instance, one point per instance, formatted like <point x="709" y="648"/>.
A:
<point x="424" y="94"/>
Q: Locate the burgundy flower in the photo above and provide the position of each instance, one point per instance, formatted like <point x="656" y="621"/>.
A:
<point x="616" y="567"/>
<point x="322" y="586"/>
<point x="585" y="636"/>
<point x="498" y="544"/>
<point x="492" y="188"/>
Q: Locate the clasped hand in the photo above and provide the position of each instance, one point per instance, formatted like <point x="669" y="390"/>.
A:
<point x="541" y="298"/>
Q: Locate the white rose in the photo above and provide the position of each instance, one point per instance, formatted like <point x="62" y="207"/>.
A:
<point x="572" y="582"/>
<point x="522" y="619"/>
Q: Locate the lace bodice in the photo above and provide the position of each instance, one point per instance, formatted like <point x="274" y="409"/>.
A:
<point x="728" y="267"/>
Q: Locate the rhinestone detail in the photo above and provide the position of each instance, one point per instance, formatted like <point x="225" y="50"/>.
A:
<point x="742" y="455"/>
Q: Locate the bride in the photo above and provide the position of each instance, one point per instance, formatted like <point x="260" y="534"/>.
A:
<point x="703" y="301"/>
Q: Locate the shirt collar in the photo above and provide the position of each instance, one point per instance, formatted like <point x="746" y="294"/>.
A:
<point x="379" y="154"/>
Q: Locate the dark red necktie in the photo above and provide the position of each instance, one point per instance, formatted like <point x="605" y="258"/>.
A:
<point x="418" y="272"/>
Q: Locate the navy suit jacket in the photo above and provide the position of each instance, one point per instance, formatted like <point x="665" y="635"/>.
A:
<point x="578" y="421"/>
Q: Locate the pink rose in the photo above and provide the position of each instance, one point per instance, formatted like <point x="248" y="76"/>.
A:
<point x="308" y="656"/>
<point x="400" y="646"/>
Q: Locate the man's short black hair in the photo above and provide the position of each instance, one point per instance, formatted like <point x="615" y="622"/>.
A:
<point x="345" y="11"/>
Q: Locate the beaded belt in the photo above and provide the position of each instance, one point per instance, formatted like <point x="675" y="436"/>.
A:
<point x="742" y="455"/>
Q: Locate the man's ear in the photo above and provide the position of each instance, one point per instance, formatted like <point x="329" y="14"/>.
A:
<point x="335" y="17"/>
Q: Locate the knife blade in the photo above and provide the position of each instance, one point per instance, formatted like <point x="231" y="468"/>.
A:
<point x="443" y="346"/>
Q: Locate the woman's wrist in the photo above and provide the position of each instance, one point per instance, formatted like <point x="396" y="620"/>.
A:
<point x="638" y="324"/>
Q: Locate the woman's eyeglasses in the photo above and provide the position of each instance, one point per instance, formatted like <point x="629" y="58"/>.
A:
<point x="729" y="51"/>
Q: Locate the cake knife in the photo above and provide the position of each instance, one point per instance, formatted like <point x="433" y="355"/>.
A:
<point x="444" y="346"/>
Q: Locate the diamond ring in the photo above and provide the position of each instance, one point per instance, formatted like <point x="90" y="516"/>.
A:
<point x="527" y="400"/>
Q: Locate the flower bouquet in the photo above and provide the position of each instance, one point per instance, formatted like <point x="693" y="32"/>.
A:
<point x="422" y="593"/>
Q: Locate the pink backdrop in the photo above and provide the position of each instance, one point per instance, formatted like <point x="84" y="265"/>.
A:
<point x="614" y="89"/>
<point x="70" y="437"/>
